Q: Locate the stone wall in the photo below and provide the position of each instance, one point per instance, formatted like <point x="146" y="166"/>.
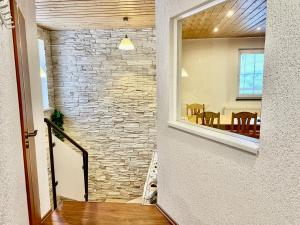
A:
<point x="108" y="97"/>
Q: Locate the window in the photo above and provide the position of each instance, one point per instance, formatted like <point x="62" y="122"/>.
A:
<point x="43" y="74"/>
<point x="251" y="73"/>
<point x="214" y="63"/>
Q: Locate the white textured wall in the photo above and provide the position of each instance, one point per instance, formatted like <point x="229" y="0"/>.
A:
<point x="9" y="108"/>
<point x="13" y="204"/>
<point x="213" y="67"/>
<point x="202" y="182"/>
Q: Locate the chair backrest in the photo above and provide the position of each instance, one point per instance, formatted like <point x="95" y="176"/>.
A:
<point x="208" y="119"/>
<point x="194" y="109"/>
<point x="244" y="123"/>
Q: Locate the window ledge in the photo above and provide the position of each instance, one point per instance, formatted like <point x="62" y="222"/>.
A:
<point x="48" y="109"/>
<point x="246" y="144"/>
<point x="240" y="98"/>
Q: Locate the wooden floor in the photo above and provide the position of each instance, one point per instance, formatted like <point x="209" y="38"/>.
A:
<point x="92" y="213"/>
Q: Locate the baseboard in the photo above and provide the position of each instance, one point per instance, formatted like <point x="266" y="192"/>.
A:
<point x="46" y="215"/>
<point x="169" y="218"/>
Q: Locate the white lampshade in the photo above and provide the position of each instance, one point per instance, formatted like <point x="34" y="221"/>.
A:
<point x="126" y="44"/>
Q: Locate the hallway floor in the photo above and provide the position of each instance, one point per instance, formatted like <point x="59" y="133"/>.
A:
<point x="93" y="213"/>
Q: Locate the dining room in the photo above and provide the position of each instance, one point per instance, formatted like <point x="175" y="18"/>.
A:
<point x="221" y="68"/>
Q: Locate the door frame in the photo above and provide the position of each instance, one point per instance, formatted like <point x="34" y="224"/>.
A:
<point x="34" y="219"/>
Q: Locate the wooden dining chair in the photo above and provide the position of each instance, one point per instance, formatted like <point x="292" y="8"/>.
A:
<point x="208" y="118"/>
<point x="194" y="109"/>
<point x="244" y="124"/>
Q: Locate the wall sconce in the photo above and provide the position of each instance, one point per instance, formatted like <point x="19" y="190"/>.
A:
<point x="5" y="16"/>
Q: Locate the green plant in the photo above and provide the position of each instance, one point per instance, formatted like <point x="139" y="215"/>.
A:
<point x="57" y="118"/>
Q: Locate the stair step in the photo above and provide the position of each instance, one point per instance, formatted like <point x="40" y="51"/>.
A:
<point x="138" y="200"/>
<point x="111" y="200"/>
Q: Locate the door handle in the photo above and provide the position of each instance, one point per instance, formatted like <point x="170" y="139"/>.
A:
<point x="33" y="134"/>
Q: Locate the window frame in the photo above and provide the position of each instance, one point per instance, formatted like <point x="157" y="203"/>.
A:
<point x="247" y="97"/>
<point x="244" y="143"/>
<point x="45" y="107"/>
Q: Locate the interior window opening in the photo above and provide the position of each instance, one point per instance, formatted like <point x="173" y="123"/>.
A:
<point x="221" y="68"/>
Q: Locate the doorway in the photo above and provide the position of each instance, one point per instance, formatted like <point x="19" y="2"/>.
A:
<point x="26" y="116"/>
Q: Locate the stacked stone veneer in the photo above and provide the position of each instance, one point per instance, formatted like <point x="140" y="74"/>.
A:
<point x="108" y="97"/>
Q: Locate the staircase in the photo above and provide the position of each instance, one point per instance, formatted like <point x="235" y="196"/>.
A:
<point x="96" y="213"/>
<point x="52" y="127"/>
<point x="150" y="188"/>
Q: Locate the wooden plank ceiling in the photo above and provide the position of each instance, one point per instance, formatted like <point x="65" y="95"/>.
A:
<point x="233" y="18"/>
<point x="104" y="14"/>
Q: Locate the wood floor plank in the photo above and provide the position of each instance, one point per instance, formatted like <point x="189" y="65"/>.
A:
<point x="94" y="213"/>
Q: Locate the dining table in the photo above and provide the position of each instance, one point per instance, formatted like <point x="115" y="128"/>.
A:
<point x="225" y="121"/>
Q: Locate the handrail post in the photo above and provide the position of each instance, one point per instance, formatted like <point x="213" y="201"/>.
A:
<point x="85" y="174"/>
<point x="52" y="167"/>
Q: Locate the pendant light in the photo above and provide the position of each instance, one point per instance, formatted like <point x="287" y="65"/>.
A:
<point x="126" y="44"/>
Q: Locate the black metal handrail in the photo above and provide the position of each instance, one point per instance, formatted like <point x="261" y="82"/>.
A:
<point x="51" y="126"/>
